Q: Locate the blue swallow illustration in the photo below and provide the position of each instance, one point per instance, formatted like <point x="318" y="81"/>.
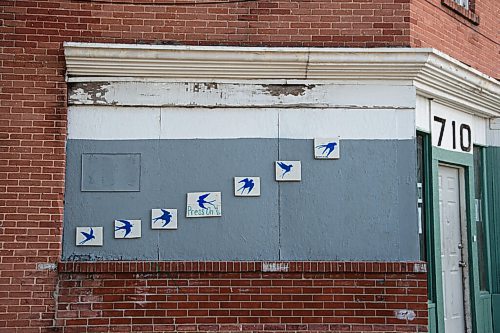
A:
<point x="329" y="147"/>
<point x="201" y="201"/>
<point x="127" y="226"/>
<point x="249" y="184"/>
<point x="286" y="168"/>
<point x="88" y="236"/>
<point x="166" y="217"/>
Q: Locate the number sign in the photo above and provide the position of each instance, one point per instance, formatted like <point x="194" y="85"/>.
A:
<point x="460" y="135"/>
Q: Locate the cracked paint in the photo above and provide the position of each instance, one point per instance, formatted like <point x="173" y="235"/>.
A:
<point x="93" y="92"/>
<point x="288" y="89"/>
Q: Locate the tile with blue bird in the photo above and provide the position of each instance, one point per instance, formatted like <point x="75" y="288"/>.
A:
<point x="89" y="236"/>
<point x="288" y="171"/>
<point x="164" y="219"/>
<point x="327" y="148"/>
<point x="127" y="229"/>
<point x="247" y="186"/>
<point x="204" y="204"/>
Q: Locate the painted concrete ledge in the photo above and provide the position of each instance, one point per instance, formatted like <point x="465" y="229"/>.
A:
<point x="242" y="266"/>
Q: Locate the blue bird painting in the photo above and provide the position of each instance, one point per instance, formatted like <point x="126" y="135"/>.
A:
<point x="166" y="217"/>
<point x="286" y="168"/>
<point x="88" y="236"/>
<point x="127" y="226"/>
<point x="201" y="201"/>
<point x="327" y="148"/>
<point x="248" y="184"/>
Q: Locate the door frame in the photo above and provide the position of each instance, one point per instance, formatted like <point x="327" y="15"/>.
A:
<point x="465" y="161"/>
<point x="462" y="200"/>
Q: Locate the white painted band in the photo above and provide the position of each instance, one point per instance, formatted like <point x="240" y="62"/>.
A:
<point x="381" y="95"/>
<point x="124" y="123"/>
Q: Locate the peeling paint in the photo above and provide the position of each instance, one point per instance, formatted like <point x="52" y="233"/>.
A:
<point x="201" y="87"/>
<point x="405" y="315"/>
<point x="196" y="87"/>
<point x="211" y="95"/>
<point x="211" y="85"/>
<point x="90" y="91"/>
<point x="288" y="89"/>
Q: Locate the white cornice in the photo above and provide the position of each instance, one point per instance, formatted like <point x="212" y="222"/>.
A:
<point x="433" y="73"/>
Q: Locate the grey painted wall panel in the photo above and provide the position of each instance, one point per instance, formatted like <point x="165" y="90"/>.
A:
<point x="102" y="208"/>
<point x="111" y="172"/>
<point x="170" y="169"/>
<point x="248" y="227"/>
<point x="407" y="198"/>
<point x="361" y="207"/>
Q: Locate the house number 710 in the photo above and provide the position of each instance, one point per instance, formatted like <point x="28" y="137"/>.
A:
<point x="464" y="131"/>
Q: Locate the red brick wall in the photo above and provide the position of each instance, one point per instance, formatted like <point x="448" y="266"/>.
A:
<point x="33" y="101"/>
<point x="337" y="23"/>
<point x="436" y="25"/>
<point x="33" y="95"/>
<point x="243" y="297"/>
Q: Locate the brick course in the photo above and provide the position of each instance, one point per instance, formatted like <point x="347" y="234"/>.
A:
<point x="242" y="296"/>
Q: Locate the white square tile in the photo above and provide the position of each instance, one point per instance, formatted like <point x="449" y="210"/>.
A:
<point x="204" y="204"/>
<point x="89" y="236"/>
<point x="127" y="229"/>
<point x="327" y="148"/>
<point x="287" y="171"/>
<point x="164" y="218"/>
<point x="247" y="186"/>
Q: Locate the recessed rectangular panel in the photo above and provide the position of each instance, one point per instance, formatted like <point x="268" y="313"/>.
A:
<point x="111" y="172"/>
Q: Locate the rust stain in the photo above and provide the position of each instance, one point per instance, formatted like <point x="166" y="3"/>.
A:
<point x="287" y="89"/>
